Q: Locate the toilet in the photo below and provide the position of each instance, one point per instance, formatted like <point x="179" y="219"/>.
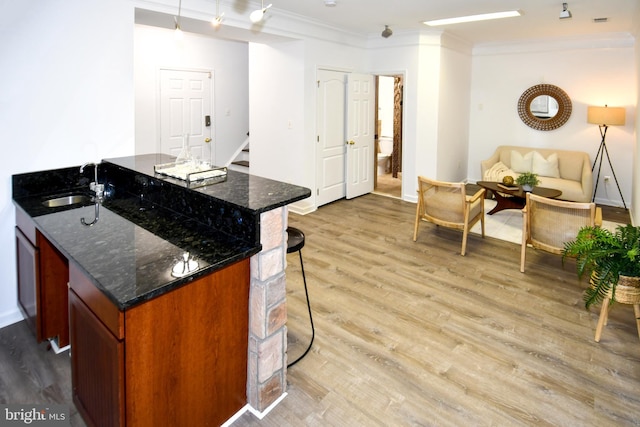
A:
<point x="385" y="149"/>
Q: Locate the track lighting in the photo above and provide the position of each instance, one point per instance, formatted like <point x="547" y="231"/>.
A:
<point x="217" y="20"/>
<point x="566" y="13"/>
<point x="178" y="33"/>
<point x="256" y="15"/>
<point x="386" y="33"/>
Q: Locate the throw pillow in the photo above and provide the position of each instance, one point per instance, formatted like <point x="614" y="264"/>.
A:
<point x="497" y="172"/>
<point x="520" y="163"/>
<point x="545" y="167"/>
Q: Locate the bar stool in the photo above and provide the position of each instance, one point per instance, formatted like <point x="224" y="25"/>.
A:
<point x="295" y="243"/>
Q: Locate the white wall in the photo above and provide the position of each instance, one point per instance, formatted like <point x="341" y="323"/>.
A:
<point x="455" y="85"/>
<point x="283" y="92"/>
<point x="635" y="203"/>
<point x="591" y="72"/>
<point x="276" y="83"/>
<point x="417" y="58"/>
<point x="157" y="48"/>
<point x="67" y="98"/>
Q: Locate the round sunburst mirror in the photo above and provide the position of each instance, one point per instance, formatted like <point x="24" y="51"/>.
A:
<point x="544" y="107"/>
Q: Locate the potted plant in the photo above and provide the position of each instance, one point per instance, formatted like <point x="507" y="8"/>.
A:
<point x="528" y="180"/>
<point x="612" y="260"/>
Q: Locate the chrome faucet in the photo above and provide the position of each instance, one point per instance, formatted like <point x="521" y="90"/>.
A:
<point x="97" y="188"/>
<point x="95" y="218"/>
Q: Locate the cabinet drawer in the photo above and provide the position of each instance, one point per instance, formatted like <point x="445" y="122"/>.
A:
<point x="97" y="302"/>
<point x="26" y="225"/>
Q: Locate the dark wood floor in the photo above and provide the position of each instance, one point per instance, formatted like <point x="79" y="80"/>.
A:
<point x="32" y="373"/>
<point x="411" y="333"/>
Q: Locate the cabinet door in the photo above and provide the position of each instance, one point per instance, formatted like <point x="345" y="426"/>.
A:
<point x="53" y="304"/>
<point x="97" y="367"/>
<point x="28" y="274"/>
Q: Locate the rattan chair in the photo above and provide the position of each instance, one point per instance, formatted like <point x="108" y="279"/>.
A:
<point x="548" y="224"/>
<point x="447" y="204"/>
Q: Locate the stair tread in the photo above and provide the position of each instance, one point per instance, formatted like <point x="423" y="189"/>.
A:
<point x="241" y="163"/>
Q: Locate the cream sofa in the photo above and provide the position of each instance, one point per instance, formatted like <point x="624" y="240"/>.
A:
<point x="571" y="174"/>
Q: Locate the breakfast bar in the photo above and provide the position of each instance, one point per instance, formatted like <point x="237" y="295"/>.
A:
<point x="175" y="292"/>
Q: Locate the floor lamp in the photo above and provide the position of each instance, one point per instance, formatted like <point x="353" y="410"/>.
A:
<point x="605" y="117"/>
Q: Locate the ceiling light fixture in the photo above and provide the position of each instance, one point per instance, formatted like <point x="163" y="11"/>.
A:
<point x="217" y="20"/>
<point x="566" y="13"/>
<point x="329" y="3"/>
<point x="256" y="15"/>
<point x="386" y="33"/>
<point x="176" y="19"/>
<point x="473" y="18"/>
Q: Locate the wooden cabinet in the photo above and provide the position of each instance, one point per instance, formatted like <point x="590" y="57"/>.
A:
<point x="27" y="258"/>
<point x="183" y="353"/>
<point x="97" y="367"/>
<point x="43" y="274"/>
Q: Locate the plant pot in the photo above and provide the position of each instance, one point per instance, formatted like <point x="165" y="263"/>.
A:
<point x="627" y="290"/>
<point x="527" y="187"/>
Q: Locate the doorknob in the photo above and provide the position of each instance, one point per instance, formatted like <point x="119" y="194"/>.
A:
<point x="350" y="142"/>
<point x="207" y="140"/>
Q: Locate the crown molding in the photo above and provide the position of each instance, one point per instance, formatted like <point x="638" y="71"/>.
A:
<point x="602" y="41"/>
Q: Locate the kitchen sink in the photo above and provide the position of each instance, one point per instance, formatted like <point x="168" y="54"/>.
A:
<point x="69" y="200"/>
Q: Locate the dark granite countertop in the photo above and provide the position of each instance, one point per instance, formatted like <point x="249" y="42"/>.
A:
<point x="131" y="250"/>
<point x="240" y="189"/>
<point x="130" y="255"/>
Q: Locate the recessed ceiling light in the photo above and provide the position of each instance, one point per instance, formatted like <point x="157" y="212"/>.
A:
<point x="473" y="18"/>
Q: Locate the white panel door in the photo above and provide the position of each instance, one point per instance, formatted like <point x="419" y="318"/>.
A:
<point x="330" y="152"/>
<point x="185" y="103"/>
<point x="360" y="134"/>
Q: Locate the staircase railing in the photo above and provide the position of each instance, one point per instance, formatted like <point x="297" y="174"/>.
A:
<point x="236" y="154"/>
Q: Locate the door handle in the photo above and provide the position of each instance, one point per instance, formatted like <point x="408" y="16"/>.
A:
<point x="207" y="140"/>
<point x="350" y="142"/>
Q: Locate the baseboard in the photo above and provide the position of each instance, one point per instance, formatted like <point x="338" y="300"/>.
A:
<point x="258" y="414"/>
<point x="10" y="317"/>
<point x="261" y="414"/>
<point x="609" y="202"/>
<point x="301" y="208"/>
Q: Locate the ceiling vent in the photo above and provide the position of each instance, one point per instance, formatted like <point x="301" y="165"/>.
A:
<point x="600" y="20"/>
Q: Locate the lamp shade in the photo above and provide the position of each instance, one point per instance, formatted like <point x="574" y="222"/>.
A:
<point x="606" y="116"/>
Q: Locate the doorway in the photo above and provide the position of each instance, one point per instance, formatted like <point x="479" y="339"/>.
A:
<point x="388" y="167"/>
<point x="185" y="109"/>
<point x="346" y="135"/>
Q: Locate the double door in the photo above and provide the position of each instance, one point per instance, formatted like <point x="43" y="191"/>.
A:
<point x="346" y="135"/>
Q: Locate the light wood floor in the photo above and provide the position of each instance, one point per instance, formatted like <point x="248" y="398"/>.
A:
<point x="412" y="334"/>
<point x="388" y="185"/>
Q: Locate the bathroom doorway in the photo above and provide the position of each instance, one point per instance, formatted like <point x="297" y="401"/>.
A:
<point x="388" y="176"/>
